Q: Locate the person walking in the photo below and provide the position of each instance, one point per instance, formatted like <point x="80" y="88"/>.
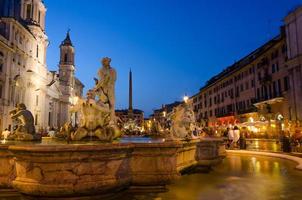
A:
<point x="236" y="135"/>
<point x="231" y="137"/>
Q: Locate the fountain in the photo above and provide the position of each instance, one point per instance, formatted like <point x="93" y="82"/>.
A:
<point x="78" y="167"/>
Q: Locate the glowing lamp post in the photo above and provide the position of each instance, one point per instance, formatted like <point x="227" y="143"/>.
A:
<point x="186" y="99"/>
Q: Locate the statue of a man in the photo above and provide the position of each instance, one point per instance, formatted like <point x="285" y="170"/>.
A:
<point x="106" y="84"/>
<point x="26" y="128"/>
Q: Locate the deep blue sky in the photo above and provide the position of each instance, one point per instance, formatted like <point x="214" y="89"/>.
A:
<point x="172" y="46"/>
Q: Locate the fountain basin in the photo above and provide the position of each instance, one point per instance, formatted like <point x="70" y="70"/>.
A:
<point x="7" y="172"/>
<point x="88" y="169"/>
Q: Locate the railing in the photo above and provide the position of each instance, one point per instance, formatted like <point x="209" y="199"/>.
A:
<point x="267" y="97"/>
<point x="266" y="79"/>
<point x="247" y="110"/>
<point x="225" y="114"/>
<point x="3" y="31"/>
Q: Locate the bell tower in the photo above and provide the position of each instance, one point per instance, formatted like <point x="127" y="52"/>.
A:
<point x="66" y="65"/>
<point x="66" y="77"/>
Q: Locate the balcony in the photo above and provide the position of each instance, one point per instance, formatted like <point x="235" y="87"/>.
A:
<point x="266" y="79"/>
<point x="247" y="110"/>
<point x="4" y="31"/>
<point x="270" y="101"/>
<point x="268" y="98"/>
<point x="224" y="114"/>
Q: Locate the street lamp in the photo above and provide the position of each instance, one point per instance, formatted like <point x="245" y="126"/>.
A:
<point x="186" y="98"/>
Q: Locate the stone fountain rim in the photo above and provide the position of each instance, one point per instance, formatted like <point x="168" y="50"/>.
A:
<point x="101" y="146"/>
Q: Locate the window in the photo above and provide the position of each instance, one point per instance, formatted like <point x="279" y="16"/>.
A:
<point x="49" y="118"/>
<point x="270" y="91"/>
<point x="37" y="55"/>
<point x="37" y="100"/>
<point x="247" y="85"/>
<point x="28" y="11"/>
<point x="279" y="87"/>
<point x="258" y="93"/>
<point x="1" y="91"/>
<point x="286" y="83"/>
<point x="65" y="57"/>
<point x="36" y="119"/>
<point x="1" y="61"/>
<point x="253" y="83"/>
<point x="39" y="17"/>
<point x="259" y="76"/>
<point x="237" y="92"/>
<point x="277" y="66"/>
<point x="284" y="48"/>
<point x="274" y="89"/>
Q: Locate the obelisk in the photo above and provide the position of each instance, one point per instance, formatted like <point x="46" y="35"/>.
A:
<point x="130" y="108"/>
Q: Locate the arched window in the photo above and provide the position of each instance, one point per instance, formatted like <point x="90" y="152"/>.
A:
<point x="65" y="57"/>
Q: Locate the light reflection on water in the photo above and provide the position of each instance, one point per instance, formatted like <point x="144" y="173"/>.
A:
<point x="238" y="178"/>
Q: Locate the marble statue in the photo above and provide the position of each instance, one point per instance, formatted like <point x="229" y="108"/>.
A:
<point x="182" y="122"/>
<point x="105" y="86"/>
<point x="66" y="131"/>
<point x="25" y="120"/>
<point x="97" y="112"/>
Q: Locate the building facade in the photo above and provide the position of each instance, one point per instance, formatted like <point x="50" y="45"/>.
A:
<point x="265" y="85"/>
<point x="161" y="115"/>
<point x="24" y="76"/>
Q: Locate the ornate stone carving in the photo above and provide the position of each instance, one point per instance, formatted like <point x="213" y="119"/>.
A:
<point x="97" y="115"/>
<point x="25" y="124"/>
<point x="183" y="122"/>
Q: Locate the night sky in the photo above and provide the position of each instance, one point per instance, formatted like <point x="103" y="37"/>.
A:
<point x="172" y="46"/>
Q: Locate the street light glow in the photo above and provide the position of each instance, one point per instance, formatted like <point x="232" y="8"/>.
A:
<point x="186" y="98"/>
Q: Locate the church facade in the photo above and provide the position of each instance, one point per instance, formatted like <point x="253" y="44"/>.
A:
<point x="24" y="76"/>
